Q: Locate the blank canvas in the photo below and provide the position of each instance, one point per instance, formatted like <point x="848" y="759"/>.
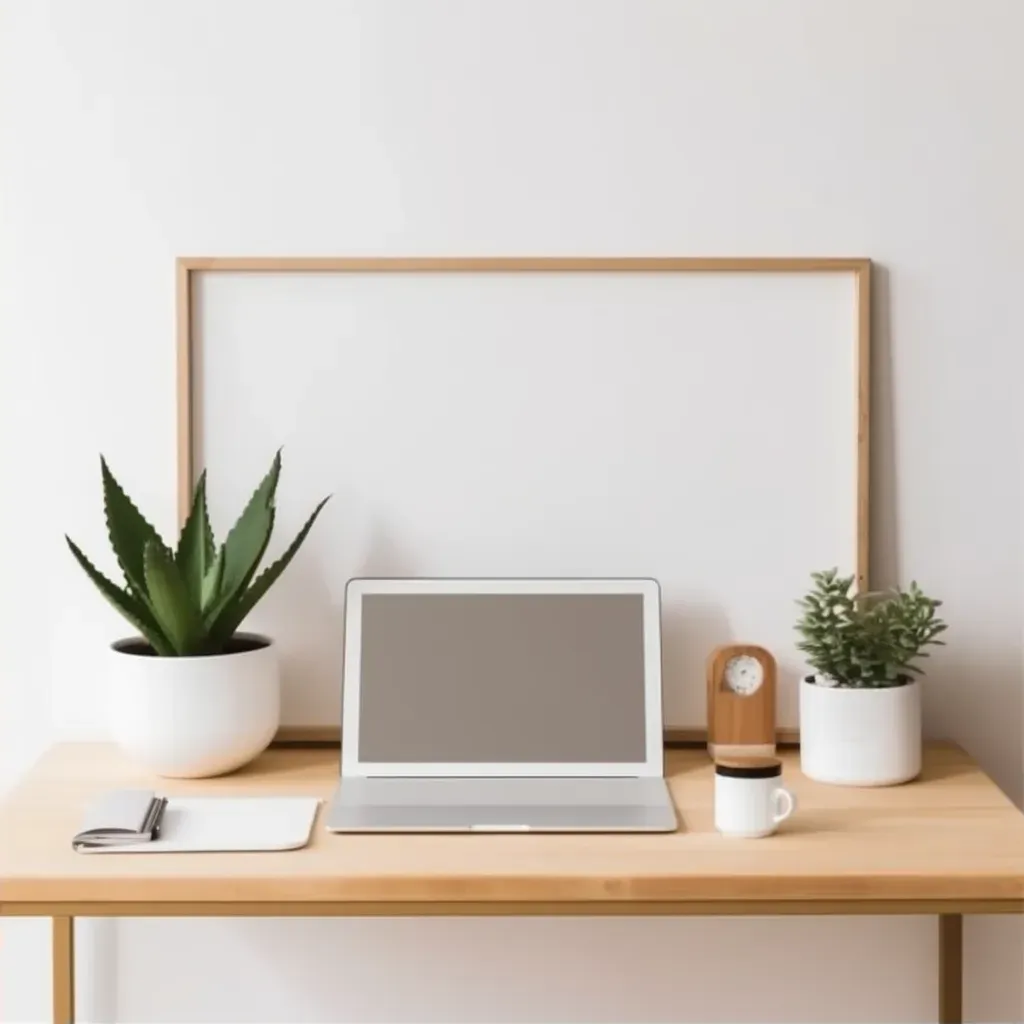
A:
<point x="700" y="428"/>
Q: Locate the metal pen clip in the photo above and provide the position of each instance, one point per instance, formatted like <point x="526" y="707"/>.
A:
<point x="154" y="816"/>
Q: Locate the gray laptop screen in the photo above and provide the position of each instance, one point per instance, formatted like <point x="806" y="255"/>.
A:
<point x="514" y="678"/>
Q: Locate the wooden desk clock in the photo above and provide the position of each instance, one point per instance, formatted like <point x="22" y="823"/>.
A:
<point x="741" y="701"/>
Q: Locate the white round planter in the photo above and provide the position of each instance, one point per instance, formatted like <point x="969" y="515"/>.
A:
<point x="191" y="718"/>
<point x="860" y="737"/>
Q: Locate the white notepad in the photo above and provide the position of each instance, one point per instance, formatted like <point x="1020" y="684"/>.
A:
<point x="214" y="824"/>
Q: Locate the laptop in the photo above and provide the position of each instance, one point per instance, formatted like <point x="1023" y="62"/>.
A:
<point x="502" y="705"/>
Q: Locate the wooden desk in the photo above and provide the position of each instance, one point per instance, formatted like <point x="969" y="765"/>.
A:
<point x="948" y="844"/>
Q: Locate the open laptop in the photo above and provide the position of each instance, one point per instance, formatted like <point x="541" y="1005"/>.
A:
<point x="507" y="705"/>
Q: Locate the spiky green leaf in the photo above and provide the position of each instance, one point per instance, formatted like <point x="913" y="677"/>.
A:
<point x="172" y="605"/>
<point x="211" y="582"/>
<point x="234" y="614"/>
<point x="195" y="554"/>
<point x="129" y="531"/>
<point x="247" y="541"/>
<point x="129" y="606"/>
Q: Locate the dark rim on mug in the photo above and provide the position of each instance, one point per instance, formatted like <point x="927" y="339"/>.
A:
<point x="749" y="767"/>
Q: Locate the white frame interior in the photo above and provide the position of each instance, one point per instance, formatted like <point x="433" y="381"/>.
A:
<point x="651" y="766"/>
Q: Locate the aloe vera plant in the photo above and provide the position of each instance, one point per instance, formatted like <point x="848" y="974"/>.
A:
<point x="190" y="600"/>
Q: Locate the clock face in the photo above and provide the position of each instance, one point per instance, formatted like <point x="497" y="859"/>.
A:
<point x="743" y="675"/>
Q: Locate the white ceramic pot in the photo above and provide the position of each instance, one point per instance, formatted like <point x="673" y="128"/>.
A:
<point x="190" y="718"/>
<point x="860" y="737"/>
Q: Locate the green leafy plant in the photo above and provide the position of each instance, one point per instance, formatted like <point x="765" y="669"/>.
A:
<point x="866" y="640"/>
<point x="190" y="600"/>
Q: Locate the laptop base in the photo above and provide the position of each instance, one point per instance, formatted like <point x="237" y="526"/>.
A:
<point x="502" y="805"/>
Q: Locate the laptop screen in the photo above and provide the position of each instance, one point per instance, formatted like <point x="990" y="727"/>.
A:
<point x="511" y="678"/>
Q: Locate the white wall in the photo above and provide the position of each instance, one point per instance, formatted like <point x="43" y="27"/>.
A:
<point x="133" y="132"/>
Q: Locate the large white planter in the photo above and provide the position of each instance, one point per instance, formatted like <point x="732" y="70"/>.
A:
<point x="860" y="737"/>
<point x="194" y="717"/>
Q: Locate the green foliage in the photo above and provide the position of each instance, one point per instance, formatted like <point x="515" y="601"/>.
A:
<point x="190" y="600"/>
<point x="866" y="640"/>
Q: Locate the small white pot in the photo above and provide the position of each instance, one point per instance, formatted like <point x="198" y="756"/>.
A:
<point x="860" y="737"/>
<point x="190" y="718"/>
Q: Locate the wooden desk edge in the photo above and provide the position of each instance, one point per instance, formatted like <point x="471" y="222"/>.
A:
<point x="513" y="908"/>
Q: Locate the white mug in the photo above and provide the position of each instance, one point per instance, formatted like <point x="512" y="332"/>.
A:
<point x="750" y="801"/>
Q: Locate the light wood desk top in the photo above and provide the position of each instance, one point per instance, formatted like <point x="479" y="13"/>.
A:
<point x="949" y="842"/>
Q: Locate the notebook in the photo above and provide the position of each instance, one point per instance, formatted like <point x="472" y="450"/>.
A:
<point x="142" y="821"/>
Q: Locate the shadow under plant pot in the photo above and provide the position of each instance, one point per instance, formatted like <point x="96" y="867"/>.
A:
<point x="864" y="736"/>
<point x="194" y="717"/>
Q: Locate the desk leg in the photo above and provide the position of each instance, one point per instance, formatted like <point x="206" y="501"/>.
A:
<point x="63" y="970"/>
<point x="951" y="969"/>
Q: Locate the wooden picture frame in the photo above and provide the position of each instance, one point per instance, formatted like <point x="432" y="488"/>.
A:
<point x="190" y="267"/>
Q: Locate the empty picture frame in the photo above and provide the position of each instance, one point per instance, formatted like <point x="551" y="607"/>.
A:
<point x="704" y="421"/>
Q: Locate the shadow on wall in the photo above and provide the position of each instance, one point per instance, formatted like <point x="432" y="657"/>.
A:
<point x="884" y="488"/>
<point x="462" y="970"/>
<point x="974" y="691"/>
<point x="96" y="969"/>
<point x="311" y="623"/>
<point x="305" y="613"/>
<point x="686" y="628"/>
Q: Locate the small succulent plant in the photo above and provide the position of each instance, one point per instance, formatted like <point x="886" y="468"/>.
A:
<point x="866" y="640"/>
<point x="190" y="600"/>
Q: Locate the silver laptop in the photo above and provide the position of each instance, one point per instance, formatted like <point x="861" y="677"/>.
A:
<point x="502" y="706"/>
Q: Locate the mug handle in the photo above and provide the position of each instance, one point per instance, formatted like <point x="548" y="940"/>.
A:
<point x="784" y="804"/>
